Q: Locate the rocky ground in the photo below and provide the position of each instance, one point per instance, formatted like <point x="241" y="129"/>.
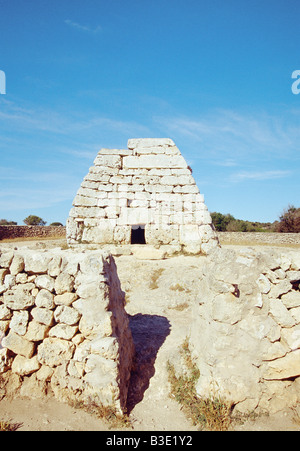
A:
<point x="159" y="294"/>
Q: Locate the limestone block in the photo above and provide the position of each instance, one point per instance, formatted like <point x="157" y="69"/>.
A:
<point x="149" y="142"/>
<point x="44" y="299"/>
<point x="149" y="253"/>
<point x="42" y="315"/>
<point x="36" y="331"/>
<point x="18" y="345"/>
<point x="45" y="282"/>
<point x="36" y="262"/>
<point x="122" y="234"/>
<point x="66" y="315"/>
<point x="102" y="234"/>
<point x="186" y="189"/>
<point x="64" y="331"/>
<point x="291" y="336"/>
<point x="135" y="216"/>
<point x="189" y="233"/>
<point x="6" y="259"/>
<point x="280" y="313"/>
<point x="93" y="321"/>
<point x="5" y="312"/>
<point x="55" y="266"/>
<point x="263" y="284"/>
<point x="9" y="281"/>
<point x="295" y="312"/>
<point x="111" y="161"/>
<point x="121" y="152"/>
<point x="24" y="366"/>
<point x="121" y="179"/>
<point x="17" y="265"/>
<point x="55" y="351"/>
<point x="154" y="161"/>
<point x="280" y="288"/>
<point x="65" y="299"/>
<point x="83" y="201"/>
<point x="19" y="297"/>
<point x="284" y="368"/>
<point x="64" y="282"/>
<point x="291" y="299"/>
<point x="159" y="188"/>
<point x="19" y="322"/>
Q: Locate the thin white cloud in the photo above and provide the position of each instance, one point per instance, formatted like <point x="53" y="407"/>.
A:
<point x="258" y="175"/>
<point x="46" y="120"/>
<point x="227" y="134"/>
<point x="84" y="28"/>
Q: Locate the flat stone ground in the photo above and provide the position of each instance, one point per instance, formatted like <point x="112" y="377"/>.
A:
<point x="159" y="294"/>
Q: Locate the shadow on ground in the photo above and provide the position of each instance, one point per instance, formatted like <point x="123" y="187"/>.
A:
<point x="149" y="333"/>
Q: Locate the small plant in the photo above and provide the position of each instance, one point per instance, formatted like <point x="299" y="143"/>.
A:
<point x="210" y="413"/>
<point x="105" y="413"/>
<point x="6" y="426"/>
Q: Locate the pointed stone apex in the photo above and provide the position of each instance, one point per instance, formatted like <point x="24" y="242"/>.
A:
<point x="150" y="142"/>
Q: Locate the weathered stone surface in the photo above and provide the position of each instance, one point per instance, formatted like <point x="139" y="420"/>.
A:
<point x="19" y="297"/>
<point x="45" y="299"/>
<point x="36" y="331"/>
<point x="64" y="282"/>
<point x="42" y="315"/>
<point x="63" y="323"/>
<point x="54" y="351"/>
<point x="18" y="344"/>
<point x="65" y="299"/>
<point x="139" y="179"/>
<point x="285" y="367"/>
<point x="19" y="322"/>
<point x="24" y="366"/>
<point x="242" y="338"/>
<point x="45" y="282"/>
<point x="66" y="315"/>
<point x="17" y="265"/>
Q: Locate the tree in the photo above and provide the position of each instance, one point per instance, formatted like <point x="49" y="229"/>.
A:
<point x="34" y="220"/>
<point x="5" y="222"/>
<point x="56" y="224"/>
<point x="289" y="221"/>
<point x="221" y="221"/>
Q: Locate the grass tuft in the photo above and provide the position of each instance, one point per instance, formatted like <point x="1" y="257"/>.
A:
<point x="211" y="413"/>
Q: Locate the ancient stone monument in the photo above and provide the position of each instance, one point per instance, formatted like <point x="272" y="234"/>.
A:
<point x="144" y="194"/>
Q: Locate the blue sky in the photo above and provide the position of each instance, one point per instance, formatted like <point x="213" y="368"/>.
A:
<point x="215" y="76"/>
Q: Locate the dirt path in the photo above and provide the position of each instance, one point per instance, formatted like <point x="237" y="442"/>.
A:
<point x="159" y="295"/>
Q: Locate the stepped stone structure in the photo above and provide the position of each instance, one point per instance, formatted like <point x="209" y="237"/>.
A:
<point x="144" y="194"/>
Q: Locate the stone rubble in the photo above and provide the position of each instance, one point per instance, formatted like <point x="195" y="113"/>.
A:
<point x="149" y="184"/>
<point x="245" y="336"/>
<point x="63" y="327"/>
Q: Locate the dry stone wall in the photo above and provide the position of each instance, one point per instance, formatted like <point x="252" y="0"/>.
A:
<point x="63" y="327"/>
<point x="245" y="335"/>
<point x="259" y="238"/>
<point x="13" y="231"/>
<point x="149" y="184"/>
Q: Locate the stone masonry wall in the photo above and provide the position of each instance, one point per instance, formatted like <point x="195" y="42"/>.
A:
<point x="148" y="184"/>
<point x="63" y="327"/>
<point x="245" y="335"/>
<point x="258" y="238"/>
<point x="13" y="231"/>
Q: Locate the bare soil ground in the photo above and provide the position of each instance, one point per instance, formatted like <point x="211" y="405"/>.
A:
<point x="159" y="295"/>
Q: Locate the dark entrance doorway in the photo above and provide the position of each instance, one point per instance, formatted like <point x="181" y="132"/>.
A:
<point x="138" y="234"/>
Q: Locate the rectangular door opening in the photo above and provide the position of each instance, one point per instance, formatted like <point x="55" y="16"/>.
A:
<point x="138" y="234"/>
